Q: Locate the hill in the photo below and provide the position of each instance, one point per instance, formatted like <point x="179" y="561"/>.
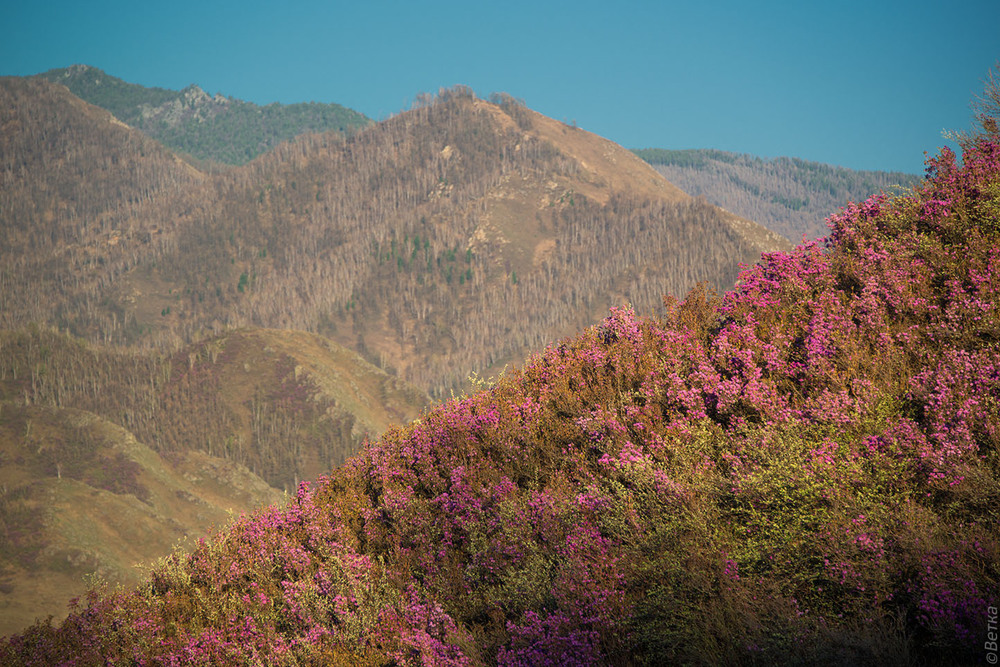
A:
<point x="211" y="128"/>
<point x="108" y="457"/>
<point x="805" y="471"/>
<point x="286" y="404"/>
<point x="82" y="498"/>
<point x="789" y="196"/>
<point x="452" y="238"/>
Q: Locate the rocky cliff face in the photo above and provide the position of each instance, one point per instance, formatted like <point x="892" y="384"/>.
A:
<point x="193" y="105"/>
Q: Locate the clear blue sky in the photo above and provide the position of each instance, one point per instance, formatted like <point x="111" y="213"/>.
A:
<point x="865" y="84"/>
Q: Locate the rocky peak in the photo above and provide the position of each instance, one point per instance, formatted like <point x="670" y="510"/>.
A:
<point x="193" y="103"/>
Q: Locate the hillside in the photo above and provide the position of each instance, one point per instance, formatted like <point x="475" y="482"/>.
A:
<point x="73" y="181"/>
<point x="82" y="498"/>
<point x="211" y="128"/>
<point x="288" y="405"/>
<point x="452" y="238"/>
<point x="789" y="196"/>
<point x="804" y="471"/>
<point x="109" y="457"/>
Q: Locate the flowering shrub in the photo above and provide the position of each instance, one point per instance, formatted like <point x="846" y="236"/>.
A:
<point x="805" y="471"/>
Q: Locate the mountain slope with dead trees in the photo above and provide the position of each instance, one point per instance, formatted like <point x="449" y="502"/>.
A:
<point x="450" y="238"/>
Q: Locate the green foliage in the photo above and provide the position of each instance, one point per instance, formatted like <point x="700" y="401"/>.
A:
<point x="793" y="203"/>
<point x="690" y="158"/>
<point x="124" y="100"/>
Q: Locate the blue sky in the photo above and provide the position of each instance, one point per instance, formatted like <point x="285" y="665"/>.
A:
<point x="867" y="85"/>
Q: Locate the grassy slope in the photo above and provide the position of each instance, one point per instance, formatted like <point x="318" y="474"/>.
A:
<point x="806" y="472"/>
<point x="82" y="497"/>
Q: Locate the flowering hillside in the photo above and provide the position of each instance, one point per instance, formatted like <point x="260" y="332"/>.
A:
<point x="805" y="471"/>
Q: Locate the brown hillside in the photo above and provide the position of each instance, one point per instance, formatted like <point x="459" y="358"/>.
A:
<point x="288" y="405"/>
<point x="80" y="496"/>
<point x="72" y="181"/>
<point x="109" y="457"/>
<point x="605" y="167"/>
<point x="451" y="238"/>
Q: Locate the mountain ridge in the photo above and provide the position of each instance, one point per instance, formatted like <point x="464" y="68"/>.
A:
<point x="791" y="196"/>
<point x="310" y="236"/>
<point x="211" y="128"/>
<point x="786" y="195"/>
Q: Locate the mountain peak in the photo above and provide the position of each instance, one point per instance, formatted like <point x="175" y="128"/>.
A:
<point x="605" y="169"/>
<point x="218" y="129"/>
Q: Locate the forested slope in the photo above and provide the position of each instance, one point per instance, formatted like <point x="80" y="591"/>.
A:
<point x="451" y="238"/>
<point x="213" y="129"/>
<point x="789" y="196"/>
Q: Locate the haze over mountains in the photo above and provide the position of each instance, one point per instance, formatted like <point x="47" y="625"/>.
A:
<point x="181" y="338"/>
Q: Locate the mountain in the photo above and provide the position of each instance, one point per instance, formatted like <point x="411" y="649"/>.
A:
<point x="789" y="196"/>
<point x="211" y="128"/>
<point x="448" y="239"/>
<point x="803" y="471"/>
